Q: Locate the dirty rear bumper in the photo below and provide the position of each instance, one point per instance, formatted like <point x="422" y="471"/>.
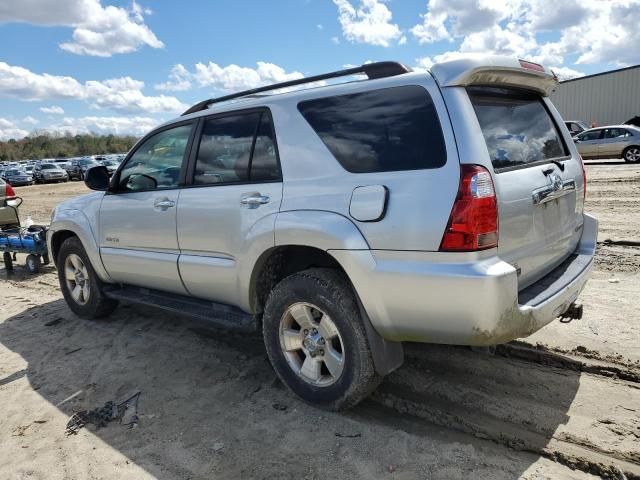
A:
<point x="436" y="297"/>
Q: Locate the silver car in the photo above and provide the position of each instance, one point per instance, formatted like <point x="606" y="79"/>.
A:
<point x="615" y="141"/>
<point x="50" y="172"/>
<point x="442" y="207"/>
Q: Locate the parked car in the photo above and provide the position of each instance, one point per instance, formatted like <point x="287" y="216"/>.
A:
<point x="576" y="126"/>
<point x="78" y="168"/>
<point x="8" y="201"/>
<point x="615" y="141"/>
<point x="17" y="177"/>
<point x="346" y="219"/>
<point x="49" y="172"/>
<point x="111" y="165"/>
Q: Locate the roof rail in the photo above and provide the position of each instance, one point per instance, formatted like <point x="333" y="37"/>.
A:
<point x="371" y="70"/>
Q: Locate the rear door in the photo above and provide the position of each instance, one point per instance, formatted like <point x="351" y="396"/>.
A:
<point x="538" y="182"/>
<point x="137" y="224"/>
<point x="233" y="194"/>
<point x="613" y="142"/>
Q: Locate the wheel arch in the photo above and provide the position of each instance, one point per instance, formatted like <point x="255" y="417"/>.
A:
<point x="281" y="261"/>
<point x="74" y="223"/>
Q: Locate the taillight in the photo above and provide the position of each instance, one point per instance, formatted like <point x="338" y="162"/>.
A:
<point x="473" y="223"/>
<point x="531" y="66"/>
<point x="584" y="179"/>
<point x="9" y="192"/>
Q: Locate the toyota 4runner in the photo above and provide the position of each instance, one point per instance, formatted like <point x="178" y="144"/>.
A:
<point x="342" y="220"/>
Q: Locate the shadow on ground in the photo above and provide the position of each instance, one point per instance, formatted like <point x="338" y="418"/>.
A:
<point x="211" y="407"/>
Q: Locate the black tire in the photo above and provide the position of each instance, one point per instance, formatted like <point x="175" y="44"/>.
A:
<point x="8" y="262"/>
<point x="97" y="305"/>
<point x="33" y="263"/>
<point x="634" y="151"/>
<point x="331" y="292"/>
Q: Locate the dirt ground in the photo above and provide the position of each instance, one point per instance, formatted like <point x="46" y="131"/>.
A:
<point x="563" y="403"/>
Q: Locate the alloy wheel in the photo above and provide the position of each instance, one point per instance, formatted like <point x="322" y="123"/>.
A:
<point x="311" y="344"/>
<point x="77" y="279"/>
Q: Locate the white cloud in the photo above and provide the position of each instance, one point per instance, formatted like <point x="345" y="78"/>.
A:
<point x="53" y="109"/>
<point x="320" y="26"/>
<point x="566" y="73"/>
<point x="98" y="30"/>
<point x="595" y="31"/>
<point x="228" y="78"/>
<point x="179" y="80"/>
<point x="464" y="17"/>
<point x="30" y="120"/>
<point x="370" y="23"/>
<point x="123" y="94"/>
<point x="137" y="126"/>
<point x="423" y="64"/>
<point x="9" y="130"/>
<point x="335" y="40"/>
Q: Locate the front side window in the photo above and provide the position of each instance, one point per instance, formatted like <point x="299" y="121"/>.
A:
<point x="235" y="149"/>
<point x="380" y="130"/>
<point x="592" y="135"/>
<point x="157" y="162"/>
<point x="517" y="127"/>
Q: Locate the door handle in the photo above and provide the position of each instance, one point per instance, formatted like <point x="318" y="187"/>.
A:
<point x="164" y="204"/>
<point x="254" y="200"/>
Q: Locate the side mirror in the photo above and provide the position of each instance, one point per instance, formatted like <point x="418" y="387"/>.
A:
<point x="97" y="178"/>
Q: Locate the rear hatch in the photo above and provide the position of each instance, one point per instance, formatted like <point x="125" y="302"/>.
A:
<point x="538" y="182"/>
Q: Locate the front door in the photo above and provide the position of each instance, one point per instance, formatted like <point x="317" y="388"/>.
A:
<point x="588" y="143"/>
<point x="231" y="201"/>
<point x="137" y="237"/>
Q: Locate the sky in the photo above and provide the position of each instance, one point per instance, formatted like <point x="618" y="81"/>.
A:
<point x="122" y="67"/>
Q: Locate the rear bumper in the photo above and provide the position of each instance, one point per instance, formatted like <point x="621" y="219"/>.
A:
<point x="434" y="297"/>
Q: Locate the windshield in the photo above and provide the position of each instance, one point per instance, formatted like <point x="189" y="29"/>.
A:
<point x="14" y="172"/>
<point x="516" y="126"/>
<point x="49" y="166"/>
<point x="87" y="162"/>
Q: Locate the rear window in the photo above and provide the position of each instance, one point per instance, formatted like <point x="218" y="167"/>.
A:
<point x="379" y="130"/>
<point x="516" y="126"/>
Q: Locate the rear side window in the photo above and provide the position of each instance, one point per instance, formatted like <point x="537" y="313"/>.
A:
<point x="379" y="130"/>
<point x="516" y="126"/>
<point x="237" y="148"/>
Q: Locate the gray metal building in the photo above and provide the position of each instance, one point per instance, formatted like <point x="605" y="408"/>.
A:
<point x="607" y="98"/>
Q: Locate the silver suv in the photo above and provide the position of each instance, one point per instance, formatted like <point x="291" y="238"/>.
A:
<point x="442" y="207"/>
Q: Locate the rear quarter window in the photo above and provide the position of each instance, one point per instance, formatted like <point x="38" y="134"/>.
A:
<point x="379" y="130"/>
<point x="517" y="127"/>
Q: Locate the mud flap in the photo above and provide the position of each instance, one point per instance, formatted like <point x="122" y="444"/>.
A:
<point x="387" y="356"/>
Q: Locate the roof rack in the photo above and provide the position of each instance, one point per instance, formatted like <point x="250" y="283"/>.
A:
<point x="371" y="70"/>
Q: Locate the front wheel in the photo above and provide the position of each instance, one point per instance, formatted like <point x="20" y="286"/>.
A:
<point x="33" y="263"/>
<point x="632" y="154"/>
<point x="316" y="341"/>
<point x="81" y="287"/>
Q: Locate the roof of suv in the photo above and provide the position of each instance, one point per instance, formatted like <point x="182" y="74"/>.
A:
<point x="472" y="69"/>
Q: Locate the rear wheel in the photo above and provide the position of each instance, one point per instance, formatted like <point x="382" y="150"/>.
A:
<point x="316" y="341"/>
<point x="631" y="154"/>
<point x="8" y="262"/>
<point x="81" y="287"/>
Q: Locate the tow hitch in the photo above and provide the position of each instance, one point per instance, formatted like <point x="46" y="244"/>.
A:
<point x="574" y="312"/>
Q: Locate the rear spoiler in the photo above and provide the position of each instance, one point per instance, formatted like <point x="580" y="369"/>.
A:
<point x="495" y="71"/>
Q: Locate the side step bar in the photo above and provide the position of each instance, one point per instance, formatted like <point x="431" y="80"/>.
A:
<point x="224" y="316"/>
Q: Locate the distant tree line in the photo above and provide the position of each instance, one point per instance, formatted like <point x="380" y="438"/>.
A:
<point x="47" y="145"/>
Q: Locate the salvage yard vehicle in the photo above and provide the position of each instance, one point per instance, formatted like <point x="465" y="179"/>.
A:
<point x="615" y="141"/>
<point x="442" y="207"/>
<point x="49" y="172"/>
<point x="17" y="177"/>
<point x="78" y="167"/>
